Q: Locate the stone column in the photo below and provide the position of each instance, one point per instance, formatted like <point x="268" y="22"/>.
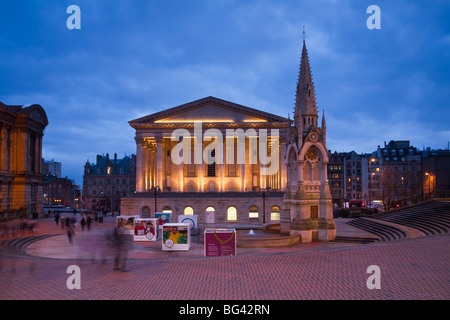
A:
<point x="200" y="173"/>
<point x="283" y="166"/>
<point x="159" y="163"/>
<point x="139" y="167"/>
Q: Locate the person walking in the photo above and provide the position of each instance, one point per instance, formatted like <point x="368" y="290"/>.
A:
<point x="121" y="245"/>
<point x="88" y="222"/>
<point x="83" y="223"/>
<point x="70" y="232"/>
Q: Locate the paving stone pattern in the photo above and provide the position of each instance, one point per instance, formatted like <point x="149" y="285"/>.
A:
<point x="415" y="268"/>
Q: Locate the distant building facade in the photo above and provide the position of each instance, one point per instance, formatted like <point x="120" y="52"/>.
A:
<point x="107" y="181"/>
<point x="346" y="179"/>
<point x="436" y="174"/>
<point x="21" y="133"/>
<point x="336" y="178"/>
<point x="60" y="191"/>
<point x="400" y="177"/>
<point x="51" y="168"/>
<point x="391" y="176"/>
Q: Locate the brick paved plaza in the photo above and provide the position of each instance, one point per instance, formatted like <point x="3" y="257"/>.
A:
<point x="414" y="268"/>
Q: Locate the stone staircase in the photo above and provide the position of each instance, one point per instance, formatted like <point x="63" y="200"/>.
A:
<point x="19" y="245"/>
<point x="383" y="231"/>
<point x="430" y="218"/>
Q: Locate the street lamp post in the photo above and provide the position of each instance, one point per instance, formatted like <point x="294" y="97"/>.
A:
<point x="264" y="191"/>
<point x="155" y="193"/>
<point x="429" y="185"/>
<point x="372" y="160"/>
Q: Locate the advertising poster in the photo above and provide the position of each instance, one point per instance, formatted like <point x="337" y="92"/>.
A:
<point x="163" y="218"/>
<point x="125" y="224"/>
<point x="145" y="229"/>
<point x="175" y="236"/>
<point x="191" y="220"/>
<point x="220" y="242"/>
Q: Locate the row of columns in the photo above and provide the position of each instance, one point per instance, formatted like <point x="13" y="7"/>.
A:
<point x="152" y="153"/>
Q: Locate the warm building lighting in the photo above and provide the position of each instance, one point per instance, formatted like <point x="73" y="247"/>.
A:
<point x="196" y="120"/>
<point x="257" y="120"/>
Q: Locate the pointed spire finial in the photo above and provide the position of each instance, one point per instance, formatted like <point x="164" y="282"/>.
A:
<point x="304" y="34"/>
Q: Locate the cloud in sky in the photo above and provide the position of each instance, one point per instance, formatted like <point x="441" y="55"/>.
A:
<point x="133" y="58"/>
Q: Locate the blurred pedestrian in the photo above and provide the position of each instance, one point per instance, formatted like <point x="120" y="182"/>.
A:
<point x="83" y="223"/>
<point x="70" y="232"/>
<point x="88" y="222"/>
<point x="121" y="245"/>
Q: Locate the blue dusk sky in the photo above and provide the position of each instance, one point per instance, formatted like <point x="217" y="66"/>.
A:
<point x="132" y="58"/>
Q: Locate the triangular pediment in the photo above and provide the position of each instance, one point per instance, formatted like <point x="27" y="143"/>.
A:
<point x="208" y="110"/>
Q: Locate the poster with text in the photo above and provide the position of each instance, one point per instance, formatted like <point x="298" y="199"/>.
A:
<point x="220" y="242"/>
<point x="145" y="229"/>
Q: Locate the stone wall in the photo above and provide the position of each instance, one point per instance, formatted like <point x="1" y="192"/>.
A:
<point x="200" y="201"/>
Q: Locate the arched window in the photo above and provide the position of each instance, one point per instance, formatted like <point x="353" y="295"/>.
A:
<point x="231" y="214"/>
<point x="210" y="209"/>
<point x="188" y="211"/>
<point x="253" y="212"/>
<point x="145" y="212"/>
<point x="275" y="213"/>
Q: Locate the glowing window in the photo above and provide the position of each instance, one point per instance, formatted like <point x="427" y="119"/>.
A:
<point x="275" y="213"/>
<point x="231" y="214"/>
<point x="188" y="211"/>
<point x="253" y="212"/>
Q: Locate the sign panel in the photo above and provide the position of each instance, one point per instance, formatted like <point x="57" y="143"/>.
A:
<point x="220" y="242"/>
<point x="163" y="218"/>
<point x="145" y="229"/>
<point x="176" y="236"/>
<point x="191" y="220"/>
<point x="125" y="224"/>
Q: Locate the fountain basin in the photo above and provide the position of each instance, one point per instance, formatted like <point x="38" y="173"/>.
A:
<point x="262" y="239"/>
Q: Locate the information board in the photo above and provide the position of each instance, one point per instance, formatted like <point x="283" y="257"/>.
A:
<point x="220" y="242"/>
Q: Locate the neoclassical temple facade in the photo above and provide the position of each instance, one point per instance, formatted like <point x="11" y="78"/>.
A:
<point x="156" y="142"/>
<point x="213" y="156"/>
<point x="229" y="163"/>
